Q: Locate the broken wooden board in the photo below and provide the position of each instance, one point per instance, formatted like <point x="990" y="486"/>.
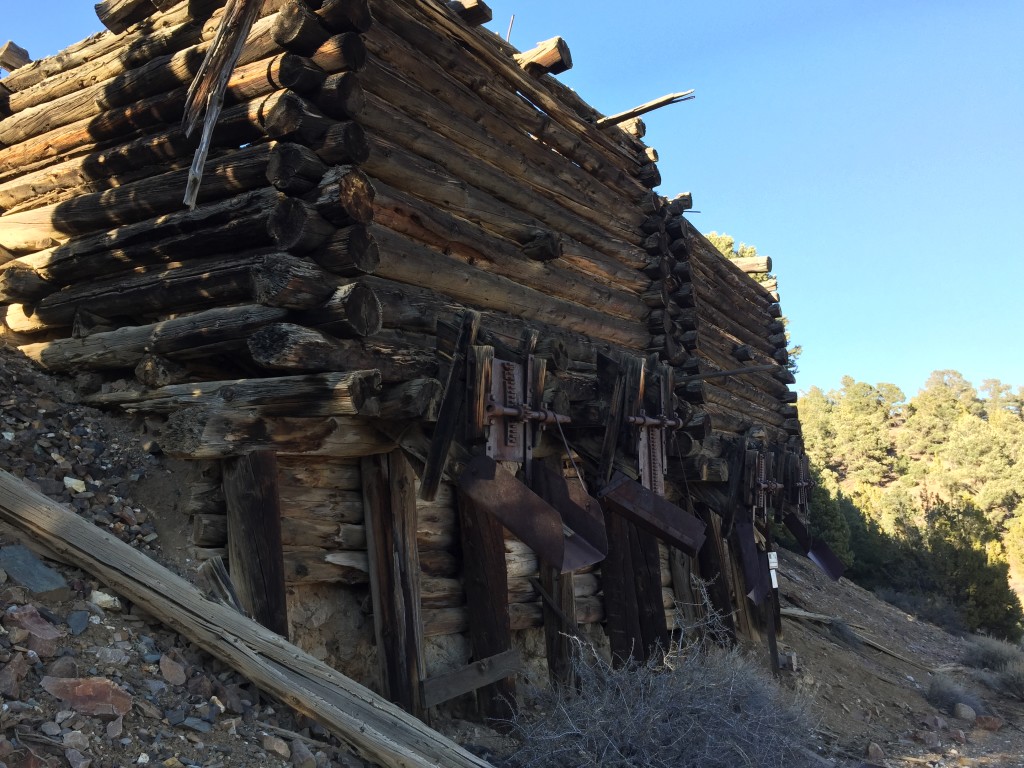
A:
<point x="376" y="729"/>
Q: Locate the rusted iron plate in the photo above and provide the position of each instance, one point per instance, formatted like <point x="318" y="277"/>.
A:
<point x="665" y="520"/>
<point x="817" y="551"/>
<point x="535" y="522"/>
<point x="755" y="573"/>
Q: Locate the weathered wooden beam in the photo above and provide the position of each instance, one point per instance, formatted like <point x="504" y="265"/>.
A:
<point x="549" y="57"/>
<point x="473" y="12"/>
<point x="442" y="688"/>
<point x="286" y="346"/>
<point x="254" y="537"/>
<point x="486" y="584"/>
<point x="203" y="433"/>
<point x="378" y="730"/>
<point x="326" y="394"/>
<point x="13" y="56"/>
<point x="124" y="347"/>
<point x="389" y="496"/>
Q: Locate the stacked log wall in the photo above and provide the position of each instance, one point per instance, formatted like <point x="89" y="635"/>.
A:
<point x="365" y="185"/>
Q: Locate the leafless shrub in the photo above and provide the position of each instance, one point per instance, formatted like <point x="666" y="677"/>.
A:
<point x="698" y="706"/>
<point x="842" y="632"/>
<point x="990" y="653"/>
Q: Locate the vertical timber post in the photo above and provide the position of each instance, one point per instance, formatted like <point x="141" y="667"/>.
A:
<point x="485" y="578"/>
<point x="255" y="552"/>
<point x="389" y="501"/>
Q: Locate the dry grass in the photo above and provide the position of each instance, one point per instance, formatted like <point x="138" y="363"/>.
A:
<point x="699" y="706"/>
<point x="1004" y="661"/>
<point x="944" y="694"/>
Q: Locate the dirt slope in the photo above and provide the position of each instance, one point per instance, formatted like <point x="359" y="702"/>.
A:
<point x="865" y="695"/>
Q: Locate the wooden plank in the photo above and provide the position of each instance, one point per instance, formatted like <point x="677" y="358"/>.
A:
<point x="254" y="537"/>
<point x="451" y="407"/>
<point x="656" y="515"/>
<point x="442" y="688"/>
<point x="389" y="498"/>
<point x="647" y="584"/>
<point x="379" y="731"/>
<point x="486" y="582"/>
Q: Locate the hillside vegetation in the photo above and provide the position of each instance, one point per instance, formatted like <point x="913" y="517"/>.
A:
<point x="922" y="498"/>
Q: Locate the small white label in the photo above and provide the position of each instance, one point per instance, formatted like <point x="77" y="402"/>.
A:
<point x="773" y="560"/>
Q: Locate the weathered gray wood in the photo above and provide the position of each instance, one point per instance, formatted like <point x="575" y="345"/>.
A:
<point x="442" y="688"/>
<point x="203" y="433"/>
<point x="389" y="497"/>
<point x="286" y="346"/>
<point x="124" y="347"/>
<point x="254" y="538"/>
<point x="35" y="230"/>
<point x="326" y="394"/>
<point x="550" y="57"/>
<point x="380" y="731"/>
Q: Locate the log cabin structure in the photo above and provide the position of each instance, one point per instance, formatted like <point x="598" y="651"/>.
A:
<point x="439" y="354"/>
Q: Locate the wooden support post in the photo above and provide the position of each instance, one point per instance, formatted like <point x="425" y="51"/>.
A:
<point x="486" y="583"/>
<point x="451" y="406"/>
<point x="562" y="606"/>
<point x="255" y="552"/>
<point x="389" y="500"/>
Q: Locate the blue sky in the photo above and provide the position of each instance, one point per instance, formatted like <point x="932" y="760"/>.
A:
<point x="874" y="150"/>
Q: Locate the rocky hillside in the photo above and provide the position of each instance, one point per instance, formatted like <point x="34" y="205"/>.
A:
<point x="90" y="680"/>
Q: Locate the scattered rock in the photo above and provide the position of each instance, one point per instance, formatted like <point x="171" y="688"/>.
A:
<point x="76" y="740"/>
<point x="958" y="736"/>
<point x="29" y="571"/>
<point x="276" y="745"/>
<point x="875" y="752"/>
<point x="173" y="672"/>
<point x="104" y="601"/>
<point x="12" y="675"/>
<point x="962" y="711"/>
<point x="78" y="622"/>
<point x="302" y="757"/>
<point x="90" y="695"/>
<point x="76" y="759"/>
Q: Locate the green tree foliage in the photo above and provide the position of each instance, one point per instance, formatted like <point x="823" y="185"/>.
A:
<point x="931" y="490"/>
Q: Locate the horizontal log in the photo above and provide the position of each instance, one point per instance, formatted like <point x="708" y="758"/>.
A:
<point x="450" y="57"/>
<point x="201" y="433"/>
<point x="416" y="399"/>
<point x="462" y="170"/>
<point x="474" y="245"/>
<point x="35" y="230"/>
<point x="452" y="621"/>
<point x="345" y="52"/>
<point x="326" y="504"/>
<point x="318" y="566"/>
<point x="473" y="12"/>
<point x="549" y="57"/>
<point x="406" y="261"/>
<point x="408" y="172"/>
<point x="125" y="347"/>
<point x="470" y="127"/>
<point x="328" y="394"/>
<point x="285" y="346"/>
<point x="345" y="15"/>
<point x="754" y="264"/>
<point x="157" y="76"/>
<point x="328" y="473"/>
<point x="225" y="225"/>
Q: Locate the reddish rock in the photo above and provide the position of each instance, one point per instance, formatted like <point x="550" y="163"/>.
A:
<point x="989" y="722"/>
<point x="958" y="736"/>
<point x="90" y="695"/>
<point x="11" y="676"/>
<point x="42" y="636"/>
